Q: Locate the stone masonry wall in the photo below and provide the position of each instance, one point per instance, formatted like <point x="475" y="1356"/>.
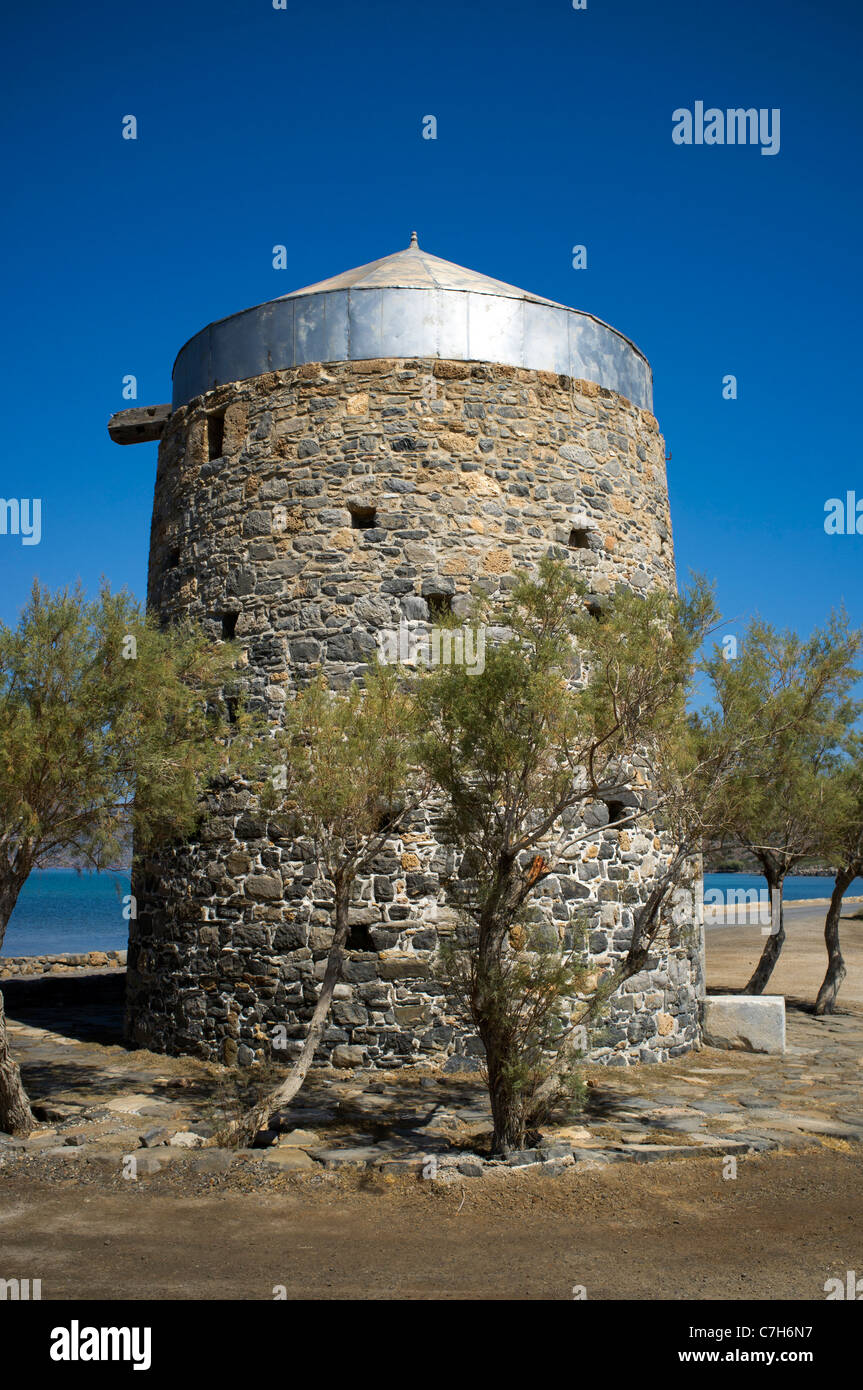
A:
<point x="306" y="511"/>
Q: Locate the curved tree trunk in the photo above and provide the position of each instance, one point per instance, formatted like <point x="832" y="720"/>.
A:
<point x="258" y="1118"/>
<point x="646" y="929"/>
<point x="835" y="974"/>
<point x="773" y="945"/>
<point x="15" y="1114"/>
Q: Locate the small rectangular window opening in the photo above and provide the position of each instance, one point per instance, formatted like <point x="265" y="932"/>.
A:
<point x="363" y="518"/>
<point x="579" y="539"/>
<point x="229" y="626"/>
<point x="440" y="605"/>
<point x="215" y="434"/>
<point x="595" y="608"/>
<point x="359" y="939"/>
<point x="173" y="557"/>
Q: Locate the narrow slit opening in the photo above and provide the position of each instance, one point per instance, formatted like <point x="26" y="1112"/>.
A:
<point x="215" y="434"/>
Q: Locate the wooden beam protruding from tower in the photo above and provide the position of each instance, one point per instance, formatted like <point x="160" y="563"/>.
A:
<point x="141" y="425"/>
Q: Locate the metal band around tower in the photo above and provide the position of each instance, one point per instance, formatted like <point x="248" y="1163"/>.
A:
<point x="447" y="313"/>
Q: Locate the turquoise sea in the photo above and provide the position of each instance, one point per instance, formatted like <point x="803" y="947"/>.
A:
<point x="797" y="888"/>
<point x="60" y="911"/>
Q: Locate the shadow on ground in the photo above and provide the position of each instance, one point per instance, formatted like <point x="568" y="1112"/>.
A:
<point x="88" y="1008"/>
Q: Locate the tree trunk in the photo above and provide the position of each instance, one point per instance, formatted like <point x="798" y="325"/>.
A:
<point x="15" y="1114"/>
<point x="773" y="945"/>
<point x="646" y="929"/>
<point x="648" y="919"/>
<point x="505" y="1096"/>
<point x="257" y="1119"/>
<point x="506" y="1101"/>
<point x="836" y="972"/>
<point x="507" y="1111"/>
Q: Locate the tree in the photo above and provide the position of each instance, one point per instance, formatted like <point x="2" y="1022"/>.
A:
<point x="341" y="769"/>
<point x="108" y="726"/>
<point x="694" y="765"/>
<point x="843" y="843"/>
<point x="796" y="692"/>
<point x="567" y="710"/>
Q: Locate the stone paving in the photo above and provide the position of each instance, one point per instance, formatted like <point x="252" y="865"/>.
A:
<point x="99" y="1103"/>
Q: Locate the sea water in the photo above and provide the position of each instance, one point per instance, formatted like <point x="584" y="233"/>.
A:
<point x="60" y="911"/>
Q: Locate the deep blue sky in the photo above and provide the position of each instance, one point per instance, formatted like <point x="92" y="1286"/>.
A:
<point x="303" y="127"/>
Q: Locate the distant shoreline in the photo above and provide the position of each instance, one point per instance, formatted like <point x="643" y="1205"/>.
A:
<point x="83" y="869"/>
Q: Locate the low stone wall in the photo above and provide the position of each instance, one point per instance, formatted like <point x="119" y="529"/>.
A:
<point x="14" y="966"/>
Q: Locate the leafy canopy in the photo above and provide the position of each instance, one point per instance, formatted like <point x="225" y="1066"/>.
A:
<point x="785" y="701"/>
<point x="341" y="766"/>
<point x="562" y="704"/>
<point x="107" y="726"/>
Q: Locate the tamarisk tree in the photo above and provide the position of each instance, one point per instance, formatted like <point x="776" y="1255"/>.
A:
<point x="108" y="728"/>
<point x="842" y="842"/>
<point x="341" y="773"/>
<point x="567" y="710"/>
<point x="796" y="693"/>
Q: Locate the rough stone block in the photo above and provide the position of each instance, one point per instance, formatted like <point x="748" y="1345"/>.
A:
<point x="346" y="1056"/>
<point x="290" y="1160"/>
<point x="749" y="1023"/>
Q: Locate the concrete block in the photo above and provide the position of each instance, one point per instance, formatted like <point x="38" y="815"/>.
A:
<point x="747" y="1022"/>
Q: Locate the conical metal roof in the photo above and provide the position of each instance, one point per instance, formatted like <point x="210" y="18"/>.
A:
<point x="411" y="305"/>
<point x="415" y="269"/>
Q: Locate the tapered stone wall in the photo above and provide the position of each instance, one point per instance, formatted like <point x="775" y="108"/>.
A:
<point x="305" y="512"/>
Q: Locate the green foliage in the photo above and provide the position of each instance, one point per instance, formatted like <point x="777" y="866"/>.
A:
<point x="784" y="708"/>
<point x="559" y="709"/>
<point x="341" y="767"/>
<point x="785" y="703"/>
<point x="521" y="1000"/>
<point x="841" y="809"/>
<point x="563" y="710"/>
<point x="108" y="726"/>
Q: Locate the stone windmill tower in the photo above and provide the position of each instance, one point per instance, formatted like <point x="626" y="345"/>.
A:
<point x="354" y="455"/>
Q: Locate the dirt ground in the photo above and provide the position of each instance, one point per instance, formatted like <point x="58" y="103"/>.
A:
<point x="761" y="1226"/>
<point x="672" y="1230"/>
